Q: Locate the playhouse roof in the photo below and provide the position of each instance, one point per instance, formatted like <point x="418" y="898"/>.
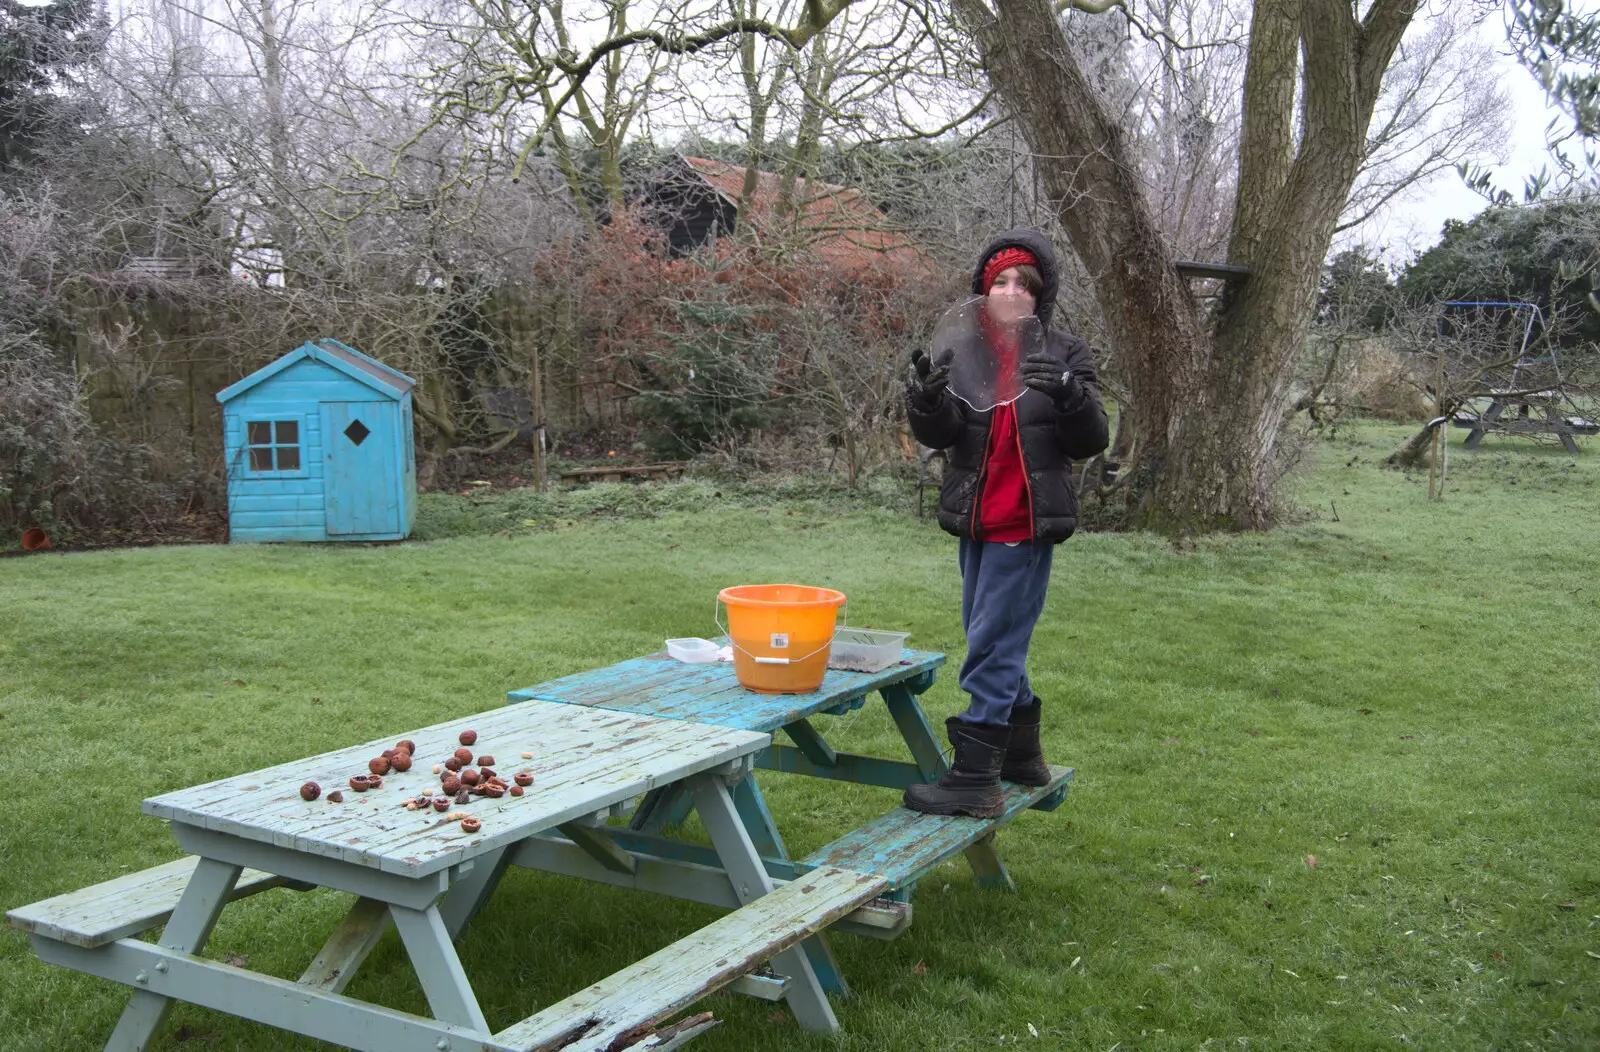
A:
<point x="336" y="355"/>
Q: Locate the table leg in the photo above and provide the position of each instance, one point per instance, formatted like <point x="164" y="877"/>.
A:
<point x="661" y="808"/>
<point x="1492" y="414"/>
<point x="752" y="808"/>
<point x="433" y="957"/>
<point x="187" y="930"/>
<point x="471" y="893"/>
<point x="750" y="881"/>
<point x="986" y="864"/>
<point x="916" y="731"/>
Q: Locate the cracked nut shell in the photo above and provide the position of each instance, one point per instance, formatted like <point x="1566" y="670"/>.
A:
<point x="471" y="825"/>
<point x="441" y="804"/>
<point x="336" y="797"/>
<point x="359" y="783"/>
<point x="463" y="797"/>
<point x="310" y="791"/>
<point x="516" y="790"/>
<point x="486" y="760"/>
<point x="523" y="778"/>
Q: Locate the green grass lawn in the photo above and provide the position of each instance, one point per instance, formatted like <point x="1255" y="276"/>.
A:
<point x="1337" y="784"/>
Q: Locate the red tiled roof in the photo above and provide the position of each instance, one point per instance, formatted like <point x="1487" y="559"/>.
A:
<point x="839" y="223"/>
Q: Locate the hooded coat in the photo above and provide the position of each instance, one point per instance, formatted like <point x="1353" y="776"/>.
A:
<point x="1051" y="436"/>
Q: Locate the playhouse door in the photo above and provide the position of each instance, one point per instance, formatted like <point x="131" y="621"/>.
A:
<point x="361" y="478"/>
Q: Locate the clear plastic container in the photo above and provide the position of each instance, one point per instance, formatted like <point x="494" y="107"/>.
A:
<point x="865" y="649"/>
<point x="694" y="651"/>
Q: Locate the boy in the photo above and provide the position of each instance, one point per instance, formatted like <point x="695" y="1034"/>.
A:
<point x="1008" y="496"/>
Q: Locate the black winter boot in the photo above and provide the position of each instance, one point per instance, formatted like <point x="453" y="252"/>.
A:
<point x="971" y="786"/>
<point x="1024" y="762"/>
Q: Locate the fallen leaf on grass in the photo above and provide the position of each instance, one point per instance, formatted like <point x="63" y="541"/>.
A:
<point x="1567" y="906"/>
<point x="919" y="969"/>
<point x="1032" y="1031"/>
<point x="237" y="960"/>
<point x="1202" y="879"/>
<point x="1311" y="861"/>
<point x="1408" y="737"/>
<point x="1365" y="712"/>
<point x="1169" y="741"/>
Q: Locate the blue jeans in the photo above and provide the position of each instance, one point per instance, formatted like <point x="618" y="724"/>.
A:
<point x="1002" y="595"/>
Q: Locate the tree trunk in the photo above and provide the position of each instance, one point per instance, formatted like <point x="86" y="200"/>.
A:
<point x="1210" y="403"/>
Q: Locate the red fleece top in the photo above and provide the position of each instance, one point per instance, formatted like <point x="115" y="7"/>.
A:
<point x="1005" y="513"/>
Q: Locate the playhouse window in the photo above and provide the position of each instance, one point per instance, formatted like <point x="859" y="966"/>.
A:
<point x="274" y="445"/>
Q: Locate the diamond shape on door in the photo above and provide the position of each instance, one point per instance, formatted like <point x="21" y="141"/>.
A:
<point x="357" y="432"/>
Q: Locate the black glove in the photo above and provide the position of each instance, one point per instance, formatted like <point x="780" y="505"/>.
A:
<point x="1048" y="376"/>
<point x="926" y="386"/>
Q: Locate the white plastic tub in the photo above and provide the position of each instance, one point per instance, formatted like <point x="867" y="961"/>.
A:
<point x="694" y="651"/>
<point x="865" y="649"/>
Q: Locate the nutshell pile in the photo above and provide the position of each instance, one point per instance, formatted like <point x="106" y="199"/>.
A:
<point x="458" y="782"/>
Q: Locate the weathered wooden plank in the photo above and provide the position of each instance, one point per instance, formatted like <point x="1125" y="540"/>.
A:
<point x="268" y="999"/>
<point x="123" y="906"/>
<point x="814" y="745"/>
<point x="696" y="882"/>
<point x="599" y="846"/>
<point x="677" y="976"/>
<point x="355" y="937"/>
<point x="846" y="767"/>
<point x="903" y="845"/>
<point x="657" y="685"/>
<point x="585" y="759"/>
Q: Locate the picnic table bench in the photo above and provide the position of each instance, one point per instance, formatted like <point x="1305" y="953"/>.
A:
<point x="899" y="847"/>
<point x="425" y="876"/>
<point x="645" y="740"/>
<point x="1522" y="422"/>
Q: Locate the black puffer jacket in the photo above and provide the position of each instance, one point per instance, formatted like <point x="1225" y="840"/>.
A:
<point x="1051" y="438"/>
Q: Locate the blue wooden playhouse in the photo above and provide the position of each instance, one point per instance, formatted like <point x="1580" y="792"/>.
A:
<point x="319" y="448"/>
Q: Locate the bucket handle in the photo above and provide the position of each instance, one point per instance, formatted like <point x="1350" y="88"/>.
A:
<point x="844" y="608"/>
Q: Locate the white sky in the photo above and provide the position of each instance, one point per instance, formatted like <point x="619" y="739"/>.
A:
<point x="1414" y="223"/>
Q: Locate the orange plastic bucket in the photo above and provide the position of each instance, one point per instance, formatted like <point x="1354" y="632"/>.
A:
<point x="781" y="635"/>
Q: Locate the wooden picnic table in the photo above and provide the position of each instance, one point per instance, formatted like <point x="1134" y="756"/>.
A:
<point x="899" y="847"/>
<point x="421" y="872"/>
<point x="1523" y="422"/>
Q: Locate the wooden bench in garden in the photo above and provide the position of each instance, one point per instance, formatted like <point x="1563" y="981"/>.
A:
<point x="427" y="875"/>
<point x="899" y="848"/>
<point x="126" y="905"/>
<point x="1523" y="422"/>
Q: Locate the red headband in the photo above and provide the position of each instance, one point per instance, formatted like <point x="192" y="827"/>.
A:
<point x="1004" y="260"/>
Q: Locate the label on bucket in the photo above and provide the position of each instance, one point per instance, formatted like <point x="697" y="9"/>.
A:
<point x="780" y="641"/>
